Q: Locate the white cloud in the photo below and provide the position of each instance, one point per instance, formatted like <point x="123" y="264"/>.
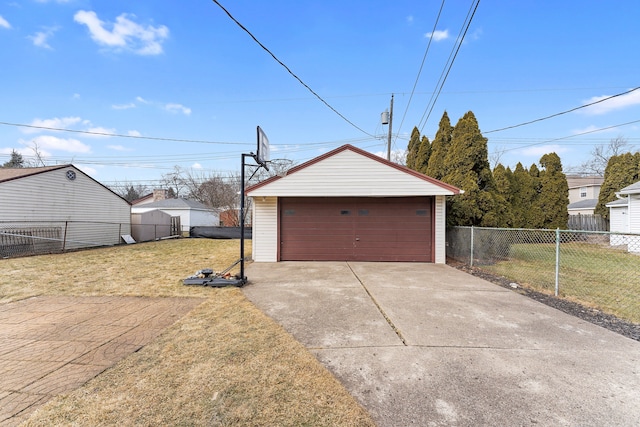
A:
<point x="55" y="123"/>
<point x="196" y="166"/>
<point x="4" y="23"/>
<point x="617" y="103"/>
<point x="55" y="1"/>
<point x="125" y="34"/>
<point x="88" y="170"/>
<point x="76" y="96"/>
<point x="123" y="106"/>
<point x="50" y="142"/>
<point x="540" y="150"/>
<point x="477" y="34"/>
<point x="134" y="133"/>
<point x="178" y="108"/>
<point x="119" y="148"/>
<point x="41" y="38"/>
<point x="438" y="35"/>
<point x="142" y="100"/>
<point x="410" y="19"/>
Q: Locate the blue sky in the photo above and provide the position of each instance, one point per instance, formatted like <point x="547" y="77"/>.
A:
<point x="184" y="71"/>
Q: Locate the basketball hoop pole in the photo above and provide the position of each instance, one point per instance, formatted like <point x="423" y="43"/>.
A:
<point x="242" y="277"/>
<point x="261" y="158"/>
<point x="242" y="206"/>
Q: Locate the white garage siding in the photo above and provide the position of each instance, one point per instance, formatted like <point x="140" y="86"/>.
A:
<point x="92" y="214"/>
<point x="634" y="213"/>
<point x="440" y="230"/>
<point x="265" y="223"/>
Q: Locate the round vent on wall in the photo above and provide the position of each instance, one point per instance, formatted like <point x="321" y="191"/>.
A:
<point x="71" y="175"/>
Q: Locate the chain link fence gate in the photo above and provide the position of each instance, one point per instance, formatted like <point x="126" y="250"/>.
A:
<point x="596" y="269"/>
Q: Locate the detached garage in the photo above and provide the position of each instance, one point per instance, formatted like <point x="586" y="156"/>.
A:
<point x="349" y="205"/>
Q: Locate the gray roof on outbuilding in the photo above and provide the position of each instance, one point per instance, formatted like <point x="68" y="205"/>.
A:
<point x="631" y="189"/>
<point x="619" y="202"/>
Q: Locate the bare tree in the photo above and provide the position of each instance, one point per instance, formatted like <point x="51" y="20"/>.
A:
<point x="38" y="155"/>
<point x="175" y="181"/>
<point x="128" y="190"/>
<point x="601" y="154"/>
<point x="399" y="157"/>
<point x="277" y="167"/>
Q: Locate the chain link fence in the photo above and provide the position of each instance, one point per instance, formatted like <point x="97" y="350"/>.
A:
<point x="596" y="269"/>
<point x="31" y="238"/>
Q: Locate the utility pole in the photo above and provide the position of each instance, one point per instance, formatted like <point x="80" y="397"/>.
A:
<point x="390" y="124"/>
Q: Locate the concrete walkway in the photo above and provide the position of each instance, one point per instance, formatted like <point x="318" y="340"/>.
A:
<point x="428" y="345"/>
<point x="52" y="345"/>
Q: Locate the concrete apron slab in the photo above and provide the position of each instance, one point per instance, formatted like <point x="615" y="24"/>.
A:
<point x="425" y="344"/>
<point x="51" y="345"/>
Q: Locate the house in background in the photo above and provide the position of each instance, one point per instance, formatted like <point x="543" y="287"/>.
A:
<point x="349" y="204"/>
<point x="624" y="215"/>
<point x="55" y="208"/>
<point x="191" y="213"/>
<point x="583" y="194"/>
<point x="155" y="196"/>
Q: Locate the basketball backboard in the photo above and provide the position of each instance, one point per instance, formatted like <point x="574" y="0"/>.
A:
<point x="262" y="156"/>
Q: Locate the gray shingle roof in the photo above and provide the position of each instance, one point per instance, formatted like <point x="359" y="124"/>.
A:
<point x="631" y="189"/>
<point x="7" y="174"/>
<point x="619" y="202"/>
<point x="175" y="204"/>
<point x="584" y="204"/>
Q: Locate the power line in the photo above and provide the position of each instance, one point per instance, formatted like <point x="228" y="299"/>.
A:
<point x="415" y="84"/>
<point x="470" y="16"/>
<point x="288" y="69"/>
<point x="116" y="135"/>
<point x="564" y="112"/>
<point x="572" y="136"/>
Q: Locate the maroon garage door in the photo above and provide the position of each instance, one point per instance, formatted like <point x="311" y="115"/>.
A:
<point x="356" y="229"/>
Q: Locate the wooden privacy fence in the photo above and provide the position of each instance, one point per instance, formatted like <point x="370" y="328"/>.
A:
<point x="587" y="222"/>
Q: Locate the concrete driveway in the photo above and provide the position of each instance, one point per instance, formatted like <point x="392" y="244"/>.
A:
<point x="428" y="345"/>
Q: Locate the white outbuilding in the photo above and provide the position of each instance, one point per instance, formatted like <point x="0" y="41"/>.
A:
<point x="350" y="205"/>
<point x="624" y="217"/>
<point x="58" y="208"/>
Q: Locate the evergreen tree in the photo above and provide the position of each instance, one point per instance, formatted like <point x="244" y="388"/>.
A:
<point x="522" y="196"/>
<point x="439" y="147"/>
<point x="16" y="160"/>
<point x="468" y="168"/>
<point x="413" y="148"/>
<point x="423" y="155"/>
<point x="554" y="193"/>
<point x="533" y="216"/>
<point x="621" y="171"/>
<point x="132" y="194"/>
<point x="504" y="183"/>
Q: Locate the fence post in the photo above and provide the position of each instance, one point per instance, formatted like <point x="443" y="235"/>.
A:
<point x="471" y="257"/>
<point x="64" y="239"/>
<point x="557" y="261"/>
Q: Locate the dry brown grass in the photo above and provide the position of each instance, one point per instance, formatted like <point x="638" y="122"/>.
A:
<point x="223" y="364"/>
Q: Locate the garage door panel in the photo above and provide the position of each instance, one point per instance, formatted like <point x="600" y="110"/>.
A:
<point x="367" y="229"/>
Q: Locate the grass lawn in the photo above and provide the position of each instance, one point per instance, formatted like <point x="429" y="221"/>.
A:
<point x="593" y="275"/>
<point x="224" y="364"/>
